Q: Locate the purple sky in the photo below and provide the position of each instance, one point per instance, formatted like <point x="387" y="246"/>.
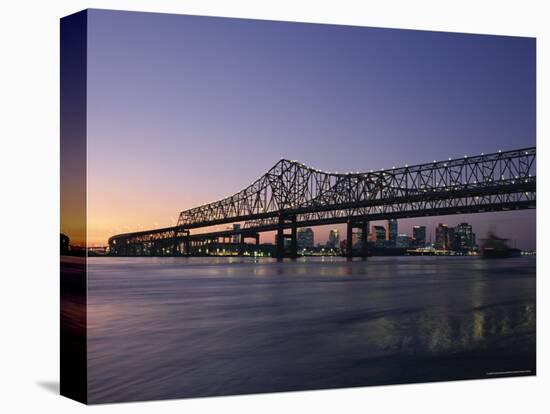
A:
<point x="184" y="110"/>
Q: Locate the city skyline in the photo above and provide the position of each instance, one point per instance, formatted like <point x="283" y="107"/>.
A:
<point x="427" y="239"/>
<point x="334" y="97"/>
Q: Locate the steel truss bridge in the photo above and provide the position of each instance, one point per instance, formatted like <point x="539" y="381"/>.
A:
<point x="292" y="195"/>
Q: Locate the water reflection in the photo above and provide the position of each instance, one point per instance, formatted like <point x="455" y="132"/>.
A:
<point x="176" y="327"/>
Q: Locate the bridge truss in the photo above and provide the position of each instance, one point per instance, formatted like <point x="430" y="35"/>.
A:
<point x="292" y="195"/>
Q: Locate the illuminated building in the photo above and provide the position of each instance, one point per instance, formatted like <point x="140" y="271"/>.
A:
<point x="391" y="232"/>
<point x="464" y="238"/>
<point x="419" y="236"/>
<point x="444" y="237"/>
<point x="378" y="233"/>
<point x="305" y="238"/>
<point x="441" y="233"/>
<point x="403" y="241"/>
<point x="333" y="239"/>
<point x="356" y="239"/>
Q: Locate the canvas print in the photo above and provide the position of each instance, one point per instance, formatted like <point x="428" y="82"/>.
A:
<point x="255" y="206"/>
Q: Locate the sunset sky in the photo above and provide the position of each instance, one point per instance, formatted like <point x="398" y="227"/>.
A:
<point x="184" y="110"/>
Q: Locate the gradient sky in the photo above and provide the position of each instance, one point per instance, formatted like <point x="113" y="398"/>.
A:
<point x="183" y="110"/>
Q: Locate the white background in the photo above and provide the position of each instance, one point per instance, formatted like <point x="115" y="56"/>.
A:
<point x="29" y="206"/>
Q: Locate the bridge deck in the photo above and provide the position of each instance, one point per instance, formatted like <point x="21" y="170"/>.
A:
<point x="292" y="195"/>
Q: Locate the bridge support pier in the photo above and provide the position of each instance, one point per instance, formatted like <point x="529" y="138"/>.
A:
<point x="349" y="240"/>
<point x="281" y="236"/>
<point x="293" y="239"/>
<point x="364" y="239"/>
<point x="280" y="242"/>
<point x="244" y="236"/>
<point x="242" y="244"/>
<point x="362" y="225"/>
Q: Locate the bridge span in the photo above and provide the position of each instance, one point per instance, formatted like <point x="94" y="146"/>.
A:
<point x="292" y="195"/>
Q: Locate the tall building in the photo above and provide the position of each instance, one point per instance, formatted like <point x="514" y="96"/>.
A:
<point x="333" y="239"/>
<point x="444" y="237"/>
<point x="465" y="238"/>
<point x="419" y="236"/>
<point x="441" y="232"/>
<point x="378" y="233"/>
<point x="305" y="238"/>
<point x="403" y="241"/>
<point x="392" y="231"/>
<point x="378" y="236"/>
<point x="356" y="239"/>
<point x="236" y="237"/>
<point x="450" y="239"/>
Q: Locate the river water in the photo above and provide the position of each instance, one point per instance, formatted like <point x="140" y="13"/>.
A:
<point x="189" y="327"/>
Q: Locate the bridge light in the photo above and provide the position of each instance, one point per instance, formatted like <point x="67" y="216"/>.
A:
<point x="482" y="154"/>
<point x="406" y="165"/>
<point x="499" y="151"/>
